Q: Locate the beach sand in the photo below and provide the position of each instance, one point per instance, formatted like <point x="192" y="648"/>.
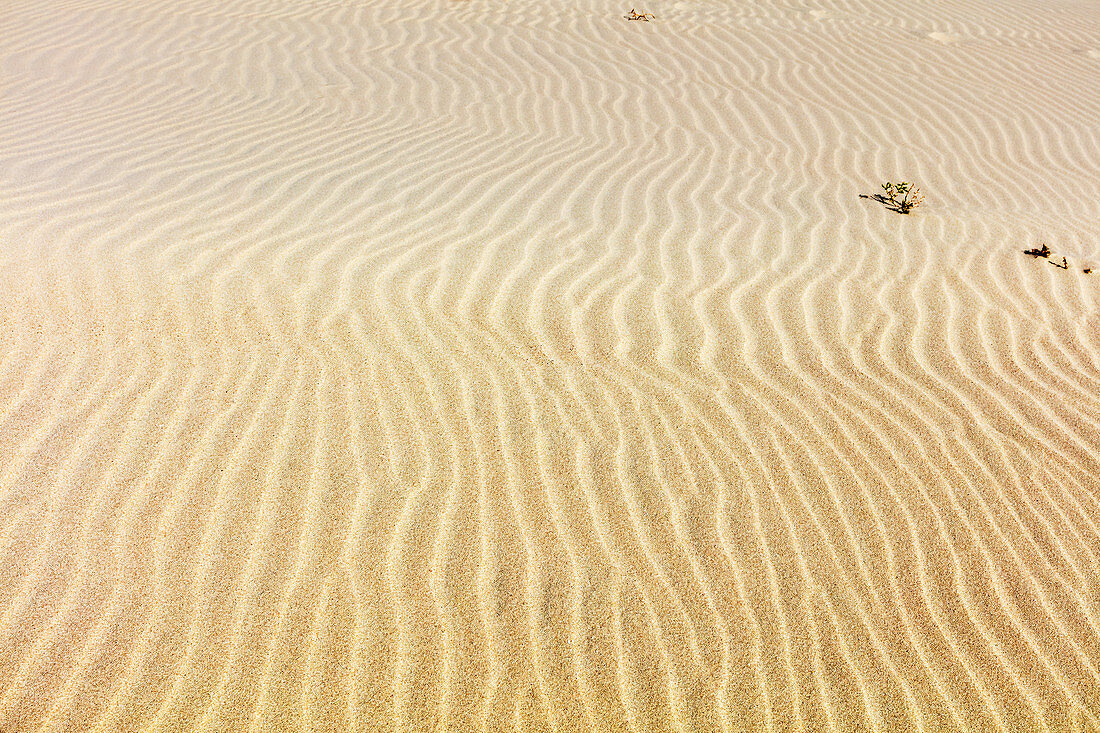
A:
<point x="500" y="365"/>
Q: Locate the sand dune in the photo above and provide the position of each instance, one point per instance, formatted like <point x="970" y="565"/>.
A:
<point x="478" y="365"/>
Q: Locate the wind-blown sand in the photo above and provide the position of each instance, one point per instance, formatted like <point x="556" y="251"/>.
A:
<point x="386" y="365"/>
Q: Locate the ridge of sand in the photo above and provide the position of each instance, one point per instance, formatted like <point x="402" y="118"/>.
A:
<point x="510" y="365"/>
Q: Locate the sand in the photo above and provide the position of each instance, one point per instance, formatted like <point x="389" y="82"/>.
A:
<point x="499" y="365"/>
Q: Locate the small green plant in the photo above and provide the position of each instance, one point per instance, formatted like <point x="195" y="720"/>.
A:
<point x="901" y="197"/>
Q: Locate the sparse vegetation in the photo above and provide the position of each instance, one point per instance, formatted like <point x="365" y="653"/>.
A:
<point x="1043" y="251"/>
<point x="900" y="197"/>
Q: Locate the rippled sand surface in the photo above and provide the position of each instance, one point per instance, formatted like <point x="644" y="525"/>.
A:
<point x="500" y="365"/>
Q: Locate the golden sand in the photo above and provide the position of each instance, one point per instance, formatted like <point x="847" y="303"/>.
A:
<point x="485" y="365"/>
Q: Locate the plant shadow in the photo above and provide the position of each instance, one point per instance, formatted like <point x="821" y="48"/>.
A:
<point x="891" y="205"/>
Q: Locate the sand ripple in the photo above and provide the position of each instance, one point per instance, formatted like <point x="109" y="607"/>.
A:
<point x="504" y="366"/>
